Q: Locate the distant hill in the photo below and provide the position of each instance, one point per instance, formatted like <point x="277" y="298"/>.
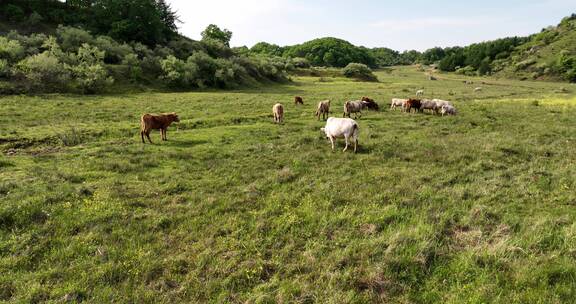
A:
<point x="548" y="55"/>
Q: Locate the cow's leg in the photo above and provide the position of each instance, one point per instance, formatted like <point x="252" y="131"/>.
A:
<point x="346" y="146"/>
<point x="148" y="135"/>
<point x="142" y="136"/>
<point x="332" y="142"/>
<point x="355" y="144"/>
<point x="165" y="132"/>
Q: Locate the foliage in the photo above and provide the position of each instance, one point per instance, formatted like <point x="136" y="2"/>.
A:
<point x="14" y="13"/>
<point x="4" y="68"/>
<point x="10" y="49"/>
<point x="213" y="32"/>
<point x="331" y="52"/>
<point x="267" y="49"/>
<point x="44" y="72"/>
<point x="147" y="21"/>
<point x="359" y="71"/>
<point x="71" y="38"/>
<point x="88" y="70"/>
<point x="35" y="18"/>
<point x="386" y="57"/>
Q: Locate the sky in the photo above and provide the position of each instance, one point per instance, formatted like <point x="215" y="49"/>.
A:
<point x="399" y="25"/>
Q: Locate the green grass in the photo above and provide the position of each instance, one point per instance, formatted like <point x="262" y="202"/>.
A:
<point x="476" y="208"/>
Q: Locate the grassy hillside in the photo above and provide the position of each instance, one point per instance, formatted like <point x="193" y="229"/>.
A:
<point x="476" y="208"/>
<point x="544" y="56"/>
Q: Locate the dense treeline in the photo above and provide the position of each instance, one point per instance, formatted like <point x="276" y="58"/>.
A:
<point x="333" y="52"/>
<point x="149" y="22"/>
<point x="74" y="59"/>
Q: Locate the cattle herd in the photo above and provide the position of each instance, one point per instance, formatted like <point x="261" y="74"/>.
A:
<point x="345" y="127"/>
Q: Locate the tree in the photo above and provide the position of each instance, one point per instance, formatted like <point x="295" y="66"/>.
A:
<point x="147" y="21"/>
<point x="331" y="51"/>
<point x="213" y="32"/>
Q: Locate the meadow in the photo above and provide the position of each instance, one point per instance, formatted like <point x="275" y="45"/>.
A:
<point x="474" y="208"/>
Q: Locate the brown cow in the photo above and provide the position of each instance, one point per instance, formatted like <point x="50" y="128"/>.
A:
<point x="413" y="104"/>
<point x="370" y="103"/>
<point x="149" y="122"/>
<point x="298" y="100"/>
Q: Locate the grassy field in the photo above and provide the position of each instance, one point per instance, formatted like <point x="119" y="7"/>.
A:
<point x="476" y="208"/>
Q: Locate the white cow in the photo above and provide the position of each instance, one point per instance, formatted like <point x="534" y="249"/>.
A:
<point x="419" y="92"/>
<point x="440" y="103"/>
<point x="278" y="111"/>
<point x="427" y="104"/>
<point x="398" y="102"/>
<point x="341" y="127"/>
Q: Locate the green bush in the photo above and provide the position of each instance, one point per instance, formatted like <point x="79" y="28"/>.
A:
<point x="71" y="38"/>
<point x="173" y="72"/>
<point x="114" y="52"/>
<point x="11" y="49"/>
<point x="467" y="70"/>
<point x="133" y="64"/>
<point x="44" y="72"/>
<point x="4" y="68"/>
<point x="300" y="62"/>
<point x="89" y="72"/>
<point x="359" y="71"/>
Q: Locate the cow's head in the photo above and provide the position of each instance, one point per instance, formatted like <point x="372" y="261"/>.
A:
<point x="174" y="117"/>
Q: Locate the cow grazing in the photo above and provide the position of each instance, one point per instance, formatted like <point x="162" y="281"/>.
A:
<point x="149" y="122"/>
<point x="298" y="100"/>
<point x="420" y="93"/>
<point x="370" y="103"/>
<point x="398" y="102"/>
<point x="341" y="127"/>
<point x="412" y="104"/>
<point x="440" y="102"/>
<point x="448" y="110"/>
<point x="355" y="107"/>
<point x="278" y="111"/>
<point x="427" y="104"/>
<point x="323" y="109"/>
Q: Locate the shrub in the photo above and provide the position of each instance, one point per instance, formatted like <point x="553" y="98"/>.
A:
<point x="468" y="70"/>
<point x="89" y="71"/>
<point x="131" y="61"/>
<point x="173" y="71"/>
<point x="359" y="71"/>
<point x="4" y="68"/>
<point x="44" y="71"/>
<point x="11" y="49"/>
<point x="300" y="62"/>
<point x="72" y="38"/>
<point x="114" y="52"/>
